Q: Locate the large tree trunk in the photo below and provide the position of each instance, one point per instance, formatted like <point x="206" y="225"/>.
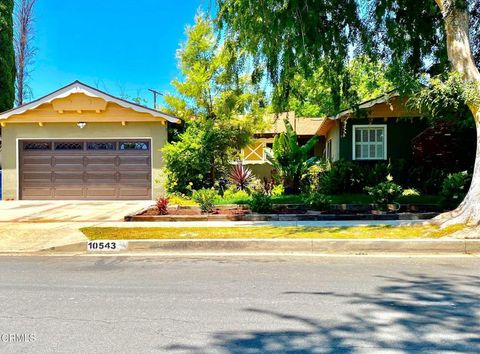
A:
<point x="456" y="20"/>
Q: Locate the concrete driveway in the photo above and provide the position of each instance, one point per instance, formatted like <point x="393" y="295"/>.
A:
<point x="68" y="211"/>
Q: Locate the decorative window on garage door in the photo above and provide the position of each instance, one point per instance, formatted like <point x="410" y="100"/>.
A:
<point x="134" y="145"/>
<point x="37" y="146"/>
<point x="68" y="146"/>
<point x="95" y="145"/>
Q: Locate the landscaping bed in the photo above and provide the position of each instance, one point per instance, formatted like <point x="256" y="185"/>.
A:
<point x="287" y="212"/>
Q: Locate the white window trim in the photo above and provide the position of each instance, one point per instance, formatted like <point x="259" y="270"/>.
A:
<point x="385" y="153"/>
<point x="331" y="150"/>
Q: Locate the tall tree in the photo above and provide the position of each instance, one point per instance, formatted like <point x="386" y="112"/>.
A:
<point x="218" y="102"/>
<point x="24" y="49"/>
<point x="7" y="56"/>
<point x="417" y="36"/>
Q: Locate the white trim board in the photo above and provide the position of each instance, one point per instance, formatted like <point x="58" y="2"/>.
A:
<point x="78" y="87"/>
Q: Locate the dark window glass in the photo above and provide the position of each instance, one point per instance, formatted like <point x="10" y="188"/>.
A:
<point x="134" y="145"/>
<point x="37" y="146"/>
<point x="68" y="146"/>
<point x="100" y="146"/>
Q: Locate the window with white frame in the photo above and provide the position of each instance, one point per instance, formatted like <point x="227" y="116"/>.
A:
<point x="369" y="142"/>
<point x="327" y="154"/>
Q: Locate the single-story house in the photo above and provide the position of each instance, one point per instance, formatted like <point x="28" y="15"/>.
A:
<point x="84" y="144"/>
<point x="379" y="130"/>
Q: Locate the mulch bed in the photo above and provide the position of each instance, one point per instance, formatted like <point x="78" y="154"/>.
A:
<point x="194" y="211"/>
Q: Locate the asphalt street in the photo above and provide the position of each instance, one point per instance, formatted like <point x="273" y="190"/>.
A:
<point x="351" y="304"/>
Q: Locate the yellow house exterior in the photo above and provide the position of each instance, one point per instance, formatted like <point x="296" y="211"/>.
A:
<point x="82" y="143"/>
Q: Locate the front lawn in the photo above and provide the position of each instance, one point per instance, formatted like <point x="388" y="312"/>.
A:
<point x="268" y="232"/>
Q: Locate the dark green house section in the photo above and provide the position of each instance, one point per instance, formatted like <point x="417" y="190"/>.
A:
<point x="400" y="133"/>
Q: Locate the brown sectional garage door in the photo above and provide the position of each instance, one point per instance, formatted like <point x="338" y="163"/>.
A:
<point x="85" y="169"/>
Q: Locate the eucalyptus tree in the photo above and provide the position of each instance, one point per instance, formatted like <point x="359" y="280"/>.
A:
<point x="413" y="37"/>
<point x="7" y="56"/>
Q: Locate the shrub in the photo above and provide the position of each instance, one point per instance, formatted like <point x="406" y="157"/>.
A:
<point x="240" y="176"/>
<point x="205" y="199"/>
<point x="428" y="180"/>
<point x="261" y="203"/>
<point x="277" y="190"/>
<point x="317" y="201"/>
<point x="310" y="181"/>
<point x="162" y="205"/>
<point x="342" y="177"/>
<point x="232" y="193"/>
<point x="180" y="199"/>
<point x="385" y="192"/>
<point x="454" y="189"/>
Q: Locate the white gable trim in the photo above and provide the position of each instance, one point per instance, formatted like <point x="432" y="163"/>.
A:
<point x="78" y="87"/>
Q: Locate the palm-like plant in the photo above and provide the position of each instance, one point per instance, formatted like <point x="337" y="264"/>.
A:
<point x="291" y="159"/>
<point x="240" y="176"/>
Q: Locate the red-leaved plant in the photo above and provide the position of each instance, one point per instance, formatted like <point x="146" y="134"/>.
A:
<point x="240" y="176"/>
<point x="162" y="206"/>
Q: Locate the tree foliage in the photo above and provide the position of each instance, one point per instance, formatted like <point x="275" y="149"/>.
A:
<point x="310" y="97"/>
<point x="7" y="56"/>
<point x="294" y="37"/>
<point x="291" y="37"/>
<point x="446" y="98"/>
<point x="219" y="104"/>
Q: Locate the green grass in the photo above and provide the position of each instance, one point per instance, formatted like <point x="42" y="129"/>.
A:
<point x="268" y="232"/>
<point x="336" y="199"/>
<point x="299" y="199"/>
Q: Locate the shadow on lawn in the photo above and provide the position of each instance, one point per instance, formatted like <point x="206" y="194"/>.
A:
<point x="416" y="313"/>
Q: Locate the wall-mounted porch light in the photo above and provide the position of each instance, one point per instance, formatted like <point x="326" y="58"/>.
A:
<point x="81" y="125"/>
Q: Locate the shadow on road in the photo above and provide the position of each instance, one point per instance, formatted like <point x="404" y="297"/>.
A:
<point x="413" y="313"/>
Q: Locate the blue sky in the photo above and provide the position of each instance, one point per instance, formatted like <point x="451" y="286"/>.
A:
<point x="117" y="45"/>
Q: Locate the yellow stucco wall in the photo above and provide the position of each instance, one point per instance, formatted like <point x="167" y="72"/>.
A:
<point x="334" y="134"/>
<point x="14" y="131"/>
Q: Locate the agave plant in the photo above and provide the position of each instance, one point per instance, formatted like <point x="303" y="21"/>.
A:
<point x="290" y="158"/>
<point x="240" y="176"/>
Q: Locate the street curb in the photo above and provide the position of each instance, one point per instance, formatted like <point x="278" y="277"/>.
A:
<point x="286" y="247"/>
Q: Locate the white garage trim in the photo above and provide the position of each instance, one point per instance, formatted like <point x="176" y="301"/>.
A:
<point x="78" y="87"/>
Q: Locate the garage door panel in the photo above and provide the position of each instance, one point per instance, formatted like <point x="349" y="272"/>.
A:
<point x="37" y="192"/>
<point x="68" y="191"/>
<point x="99" y="170"/>
<point x="106" y="177"/>
<point x="106" y="191"/>
<point x="68" y="177"/>
<point x="134" y="177"/>
<point x="128" y="191"/>
<point x="37" y="177"/>
<point x="134" y="163"/>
